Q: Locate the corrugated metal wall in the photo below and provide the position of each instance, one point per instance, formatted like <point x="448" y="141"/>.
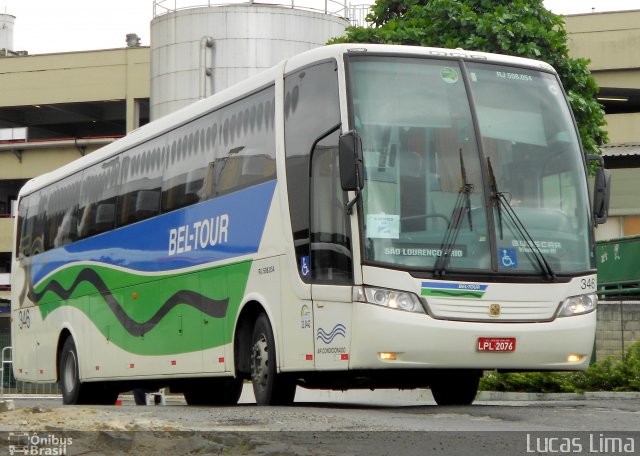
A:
<point x="244" y="39"/>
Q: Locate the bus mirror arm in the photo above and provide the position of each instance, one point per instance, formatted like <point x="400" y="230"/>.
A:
<point x="351" y="165"/>
<point x="601" y="190"/>
<point x="351" y="203"/>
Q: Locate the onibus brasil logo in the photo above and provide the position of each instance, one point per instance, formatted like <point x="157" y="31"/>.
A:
<point x="38" y="445"/>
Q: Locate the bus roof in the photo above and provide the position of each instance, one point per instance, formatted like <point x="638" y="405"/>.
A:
<point x="262" y="79"/>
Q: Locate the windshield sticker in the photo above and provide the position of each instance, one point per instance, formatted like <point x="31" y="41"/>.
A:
<point x="508" y="258"/>
<point x="426" y="250"/>
<point x="449" y="75"/>
<point x="514" y="76"/>
<point x="305" y="266"/>
<point x="454" y="289"/>
<point x="383" y="226"/>
<point x="546" y="247"/>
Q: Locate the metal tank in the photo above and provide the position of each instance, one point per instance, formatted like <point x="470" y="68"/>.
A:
<point x="6" y="33"/>
<point x="197" y="50"/>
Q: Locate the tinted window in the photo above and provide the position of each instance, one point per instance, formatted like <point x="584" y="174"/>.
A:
<point x="311" y="110"/>
<point x="62" y="212"/>
<point x="97" y="212"/>
<point x="245" y="155"/>
<point x="141" y="176"/>
<point x="188" y="177"/>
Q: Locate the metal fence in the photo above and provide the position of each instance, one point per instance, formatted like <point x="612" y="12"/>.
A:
<point x="618" y="327"/>
<point x="9" y="384"/>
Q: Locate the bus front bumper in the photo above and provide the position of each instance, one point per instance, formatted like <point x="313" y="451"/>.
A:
<point x="384" y="338"/>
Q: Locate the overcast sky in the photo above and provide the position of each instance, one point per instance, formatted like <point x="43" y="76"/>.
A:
<point x="44" y="26"/>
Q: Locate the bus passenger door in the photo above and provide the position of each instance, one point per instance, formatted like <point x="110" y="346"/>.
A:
<point x="330" y="258"/>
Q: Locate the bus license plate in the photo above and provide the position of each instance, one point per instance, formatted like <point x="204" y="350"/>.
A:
<point x="496" y="344"/>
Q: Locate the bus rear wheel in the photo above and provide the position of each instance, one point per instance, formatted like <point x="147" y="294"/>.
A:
<point x="73" y="390"/>
<point x="269" y="387"/>
<point x="456" y="387"/>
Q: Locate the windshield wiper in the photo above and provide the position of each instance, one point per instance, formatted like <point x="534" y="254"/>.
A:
<point x="462" y="205"/>
<point x="502" y="203"/>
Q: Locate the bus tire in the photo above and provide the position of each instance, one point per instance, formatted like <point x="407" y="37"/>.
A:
<point x="73" y="390"/>
<point x="456" y="388"/>
<point x="222" y="391"/>
<point x="69" y="378"/>
<point x="269" y="387"/>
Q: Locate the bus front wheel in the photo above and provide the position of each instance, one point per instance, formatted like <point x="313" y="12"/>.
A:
<point x="456" y="388"/>
<point x="269" y="387"/>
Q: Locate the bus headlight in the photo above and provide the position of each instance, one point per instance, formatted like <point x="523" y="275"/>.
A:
<point x="578" y="305"/>
<point x="385" y="297"/>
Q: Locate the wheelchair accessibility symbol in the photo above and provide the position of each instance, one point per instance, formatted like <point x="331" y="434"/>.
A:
<point x="305" y="270"/>
<point x="508" y="258"/>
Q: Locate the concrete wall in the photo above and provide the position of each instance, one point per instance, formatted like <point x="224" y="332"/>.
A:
<point x="113" y="74"/>
<point x="610" y="40"/>
<point x="618" y="327"/>
<point x="624" y="127"/>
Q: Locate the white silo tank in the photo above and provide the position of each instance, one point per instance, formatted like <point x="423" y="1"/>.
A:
<point x="6" y="31"/>
<point x="196" y="51"/>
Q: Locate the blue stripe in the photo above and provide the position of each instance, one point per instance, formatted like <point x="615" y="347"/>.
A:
<point x="146" y="246"/>
<point x="455" y="286"/>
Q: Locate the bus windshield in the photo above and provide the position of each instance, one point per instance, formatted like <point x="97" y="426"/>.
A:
<point x="473" y="167"/>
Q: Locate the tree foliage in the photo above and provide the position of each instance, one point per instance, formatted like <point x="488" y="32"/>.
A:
<point x="521" y="28"/>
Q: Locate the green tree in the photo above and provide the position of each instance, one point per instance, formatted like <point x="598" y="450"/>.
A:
<point x="521" y="28"/>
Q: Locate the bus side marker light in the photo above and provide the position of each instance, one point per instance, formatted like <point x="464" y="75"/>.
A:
<point x="97" y="368"/>
<point x="387" y="356"/>
<point x="173" y="362"/>
<point x="309" y="357"/>
<point x="221" y="360"/>
<point x="344" y="357"/>
<point x="134" y="295"/>
<point x="131" y="366"/>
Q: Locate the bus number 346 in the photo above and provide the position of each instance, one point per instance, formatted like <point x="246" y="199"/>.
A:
<point x="24" y="319"/>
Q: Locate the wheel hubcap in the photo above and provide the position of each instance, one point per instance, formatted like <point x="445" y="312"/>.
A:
<point x="69" y="374"/>
<point x="260" y="363"/>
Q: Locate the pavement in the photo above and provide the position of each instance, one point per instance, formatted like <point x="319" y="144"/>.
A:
<point x="382" y="397"/>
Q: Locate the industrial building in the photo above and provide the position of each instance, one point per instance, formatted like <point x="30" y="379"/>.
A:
<point x="610" y="41"/>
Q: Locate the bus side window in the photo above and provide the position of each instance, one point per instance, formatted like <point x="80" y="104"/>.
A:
<point x="311" y="110"/>
<point x="98" y="198"/>
<point x="62" y="213"/>
<point x="246" y="155"/>
<point x="330" y="240"/>
<point x="185" y="177"/>
<point x="140" y="177"/>
<point x="26" y="215"/>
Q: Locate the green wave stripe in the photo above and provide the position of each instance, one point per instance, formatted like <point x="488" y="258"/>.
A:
<point x="452" y="293"/>
<point x="183" y="329"/>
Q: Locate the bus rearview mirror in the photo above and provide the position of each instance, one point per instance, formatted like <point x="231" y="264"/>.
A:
<point x="601" y="191"/>
<point x="351" y="166"/>
<point x="602" y="195"/>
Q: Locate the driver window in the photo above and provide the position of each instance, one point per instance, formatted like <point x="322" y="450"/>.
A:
<point x="330" y="241"/>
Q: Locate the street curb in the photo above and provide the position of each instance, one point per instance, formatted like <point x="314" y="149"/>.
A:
<point x="590" y="395"/>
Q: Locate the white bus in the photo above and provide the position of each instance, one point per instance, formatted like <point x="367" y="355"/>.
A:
<point x="359" y="216"/>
